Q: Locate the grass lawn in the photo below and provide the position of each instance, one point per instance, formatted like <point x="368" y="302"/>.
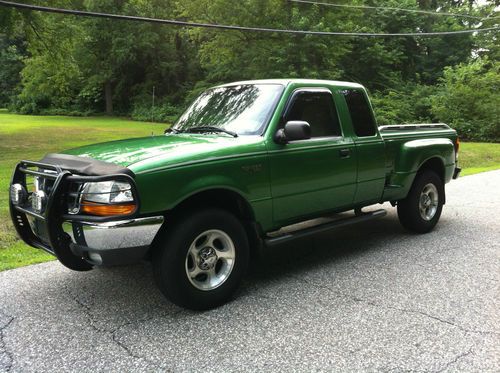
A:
<point x="31" y="137"/>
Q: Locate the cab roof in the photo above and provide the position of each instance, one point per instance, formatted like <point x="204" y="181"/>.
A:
<point x="286" y="82"/>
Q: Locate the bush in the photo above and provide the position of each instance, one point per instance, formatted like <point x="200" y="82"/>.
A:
<point x="469" y="98"/>
<point x="163" y="112"/>
<point x="41" y="106"/>
<point x="69" y="112"/>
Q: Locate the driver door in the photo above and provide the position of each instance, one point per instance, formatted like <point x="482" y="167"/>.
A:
<point x="317" y="175"/>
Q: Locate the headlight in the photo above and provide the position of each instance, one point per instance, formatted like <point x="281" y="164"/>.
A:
<point x="108" y="192"/>
<point x="107" y="198"/>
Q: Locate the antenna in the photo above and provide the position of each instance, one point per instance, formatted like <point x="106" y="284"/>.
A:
<point x="153" y="112"/>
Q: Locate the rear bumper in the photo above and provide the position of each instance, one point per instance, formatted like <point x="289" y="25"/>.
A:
<point x="456" y="172"/>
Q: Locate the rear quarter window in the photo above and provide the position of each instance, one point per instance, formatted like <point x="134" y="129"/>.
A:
<point x="360" y="111"/>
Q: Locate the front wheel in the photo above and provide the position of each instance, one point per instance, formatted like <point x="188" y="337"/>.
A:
<point x="199" y="262"/>
<point x="421" y="209"/>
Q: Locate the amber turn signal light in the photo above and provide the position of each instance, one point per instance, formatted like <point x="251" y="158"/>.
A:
<point x="108" y="210"/>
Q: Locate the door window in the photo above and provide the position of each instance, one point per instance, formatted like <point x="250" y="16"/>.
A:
<point x="317" y="109"/>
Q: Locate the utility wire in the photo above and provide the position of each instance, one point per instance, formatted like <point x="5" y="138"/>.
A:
<point x="392" y="9"/>
<point x="232" y="27"/>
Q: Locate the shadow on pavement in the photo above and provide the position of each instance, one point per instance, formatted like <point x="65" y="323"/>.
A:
<point x="122" y="285"/>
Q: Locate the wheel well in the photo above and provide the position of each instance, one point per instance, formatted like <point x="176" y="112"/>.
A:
<point x="434" y="164"/>
<point x="220" y="198"/>
<point x="230" y="201"/>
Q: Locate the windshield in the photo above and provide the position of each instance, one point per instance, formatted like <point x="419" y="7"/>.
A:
<point x="242" y="109"/>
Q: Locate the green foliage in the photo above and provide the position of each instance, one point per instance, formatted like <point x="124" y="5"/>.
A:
<point x="238" y="55"/>
<point x="469" y="98"/>
<point x="163" y="111"/>
<point x="11" y="63"/>
<point x="46" y="85"/>
<point x="410" y="104"/>
<point x="92" y="65"/>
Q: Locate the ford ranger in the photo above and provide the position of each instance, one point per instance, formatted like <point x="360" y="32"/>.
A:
<point x="244" y="161"/>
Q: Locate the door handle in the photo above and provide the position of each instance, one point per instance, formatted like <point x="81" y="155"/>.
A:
<point x="345" y="153"/>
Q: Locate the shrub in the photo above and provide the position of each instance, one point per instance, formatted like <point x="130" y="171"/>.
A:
<point x="163" y="112"/>
<point x="469" y="98"/>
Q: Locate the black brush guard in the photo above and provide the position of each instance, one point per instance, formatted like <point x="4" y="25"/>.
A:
<point x="55" y="212"/>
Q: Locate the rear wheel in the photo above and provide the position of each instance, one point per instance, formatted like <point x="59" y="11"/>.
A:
<point x="421" y="209"/>
<point x="199" y="262"/>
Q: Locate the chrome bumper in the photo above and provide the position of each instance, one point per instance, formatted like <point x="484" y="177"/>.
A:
<point x="110" y="243"/>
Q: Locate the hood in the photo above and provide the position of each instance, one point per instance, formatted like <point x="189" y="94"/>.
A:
<point x="142" y="153"/>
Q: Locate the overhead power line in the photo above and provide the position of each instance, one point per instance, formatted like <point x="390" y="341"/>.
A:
<point x="233" y="27"/>
<point x="394" y="9"/>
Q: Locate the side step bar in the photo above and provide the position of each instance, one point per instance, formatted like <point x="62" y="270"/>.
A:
<point x="273" y="241"/>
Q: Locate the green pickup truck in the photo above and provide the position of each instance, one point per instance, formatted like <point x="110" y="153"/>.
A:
<point x="244" y="163"/>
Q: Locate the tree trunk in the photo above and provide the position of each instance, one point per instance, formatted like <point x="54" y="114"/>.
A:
<point x="108" y="95"/>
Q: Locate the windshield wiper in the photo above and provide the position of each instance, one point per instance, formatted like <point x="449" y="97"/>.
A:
<point x="172" y="130"/>
<point x="211" y="129"/>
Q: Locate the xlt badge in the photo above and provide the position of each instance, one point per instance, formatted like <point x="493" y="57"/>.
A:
<point x="252" y="169"/>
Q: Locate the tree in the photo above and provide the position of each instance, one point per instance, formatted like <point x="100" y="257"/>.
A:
<point x="127" y="59"/>
<point x="79" y="65"/>
<point x="239" y="55"/>
<point x="12" y="53"/>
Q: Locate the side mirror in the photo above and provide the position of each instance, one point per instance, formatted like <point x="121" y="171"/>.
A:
<point x="293" y="130"/>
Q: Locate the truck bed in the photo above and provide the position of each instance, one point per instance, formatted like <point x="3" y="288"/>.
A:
<point x="403" y="158"/>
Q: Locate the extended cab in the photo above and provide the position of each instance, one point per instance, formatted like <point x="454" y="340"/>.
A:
<point x="244" y="161"/>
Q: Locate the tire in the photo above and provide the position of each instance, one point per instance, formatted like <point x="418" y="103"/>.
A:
<point x="199" y="262"/>
<point x="418" y="213"/>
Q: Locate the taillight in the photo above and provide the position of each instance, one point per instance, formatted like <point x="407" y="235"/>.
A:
<point x="457" y="145"/>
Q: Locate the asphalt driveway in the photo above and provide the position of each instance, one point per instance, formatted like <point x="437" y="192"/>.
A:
<point x="367" y="298"/>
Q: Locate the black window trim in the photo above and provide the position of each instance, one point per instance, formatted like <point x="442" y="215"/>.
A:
<point x="288" y="105"/>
